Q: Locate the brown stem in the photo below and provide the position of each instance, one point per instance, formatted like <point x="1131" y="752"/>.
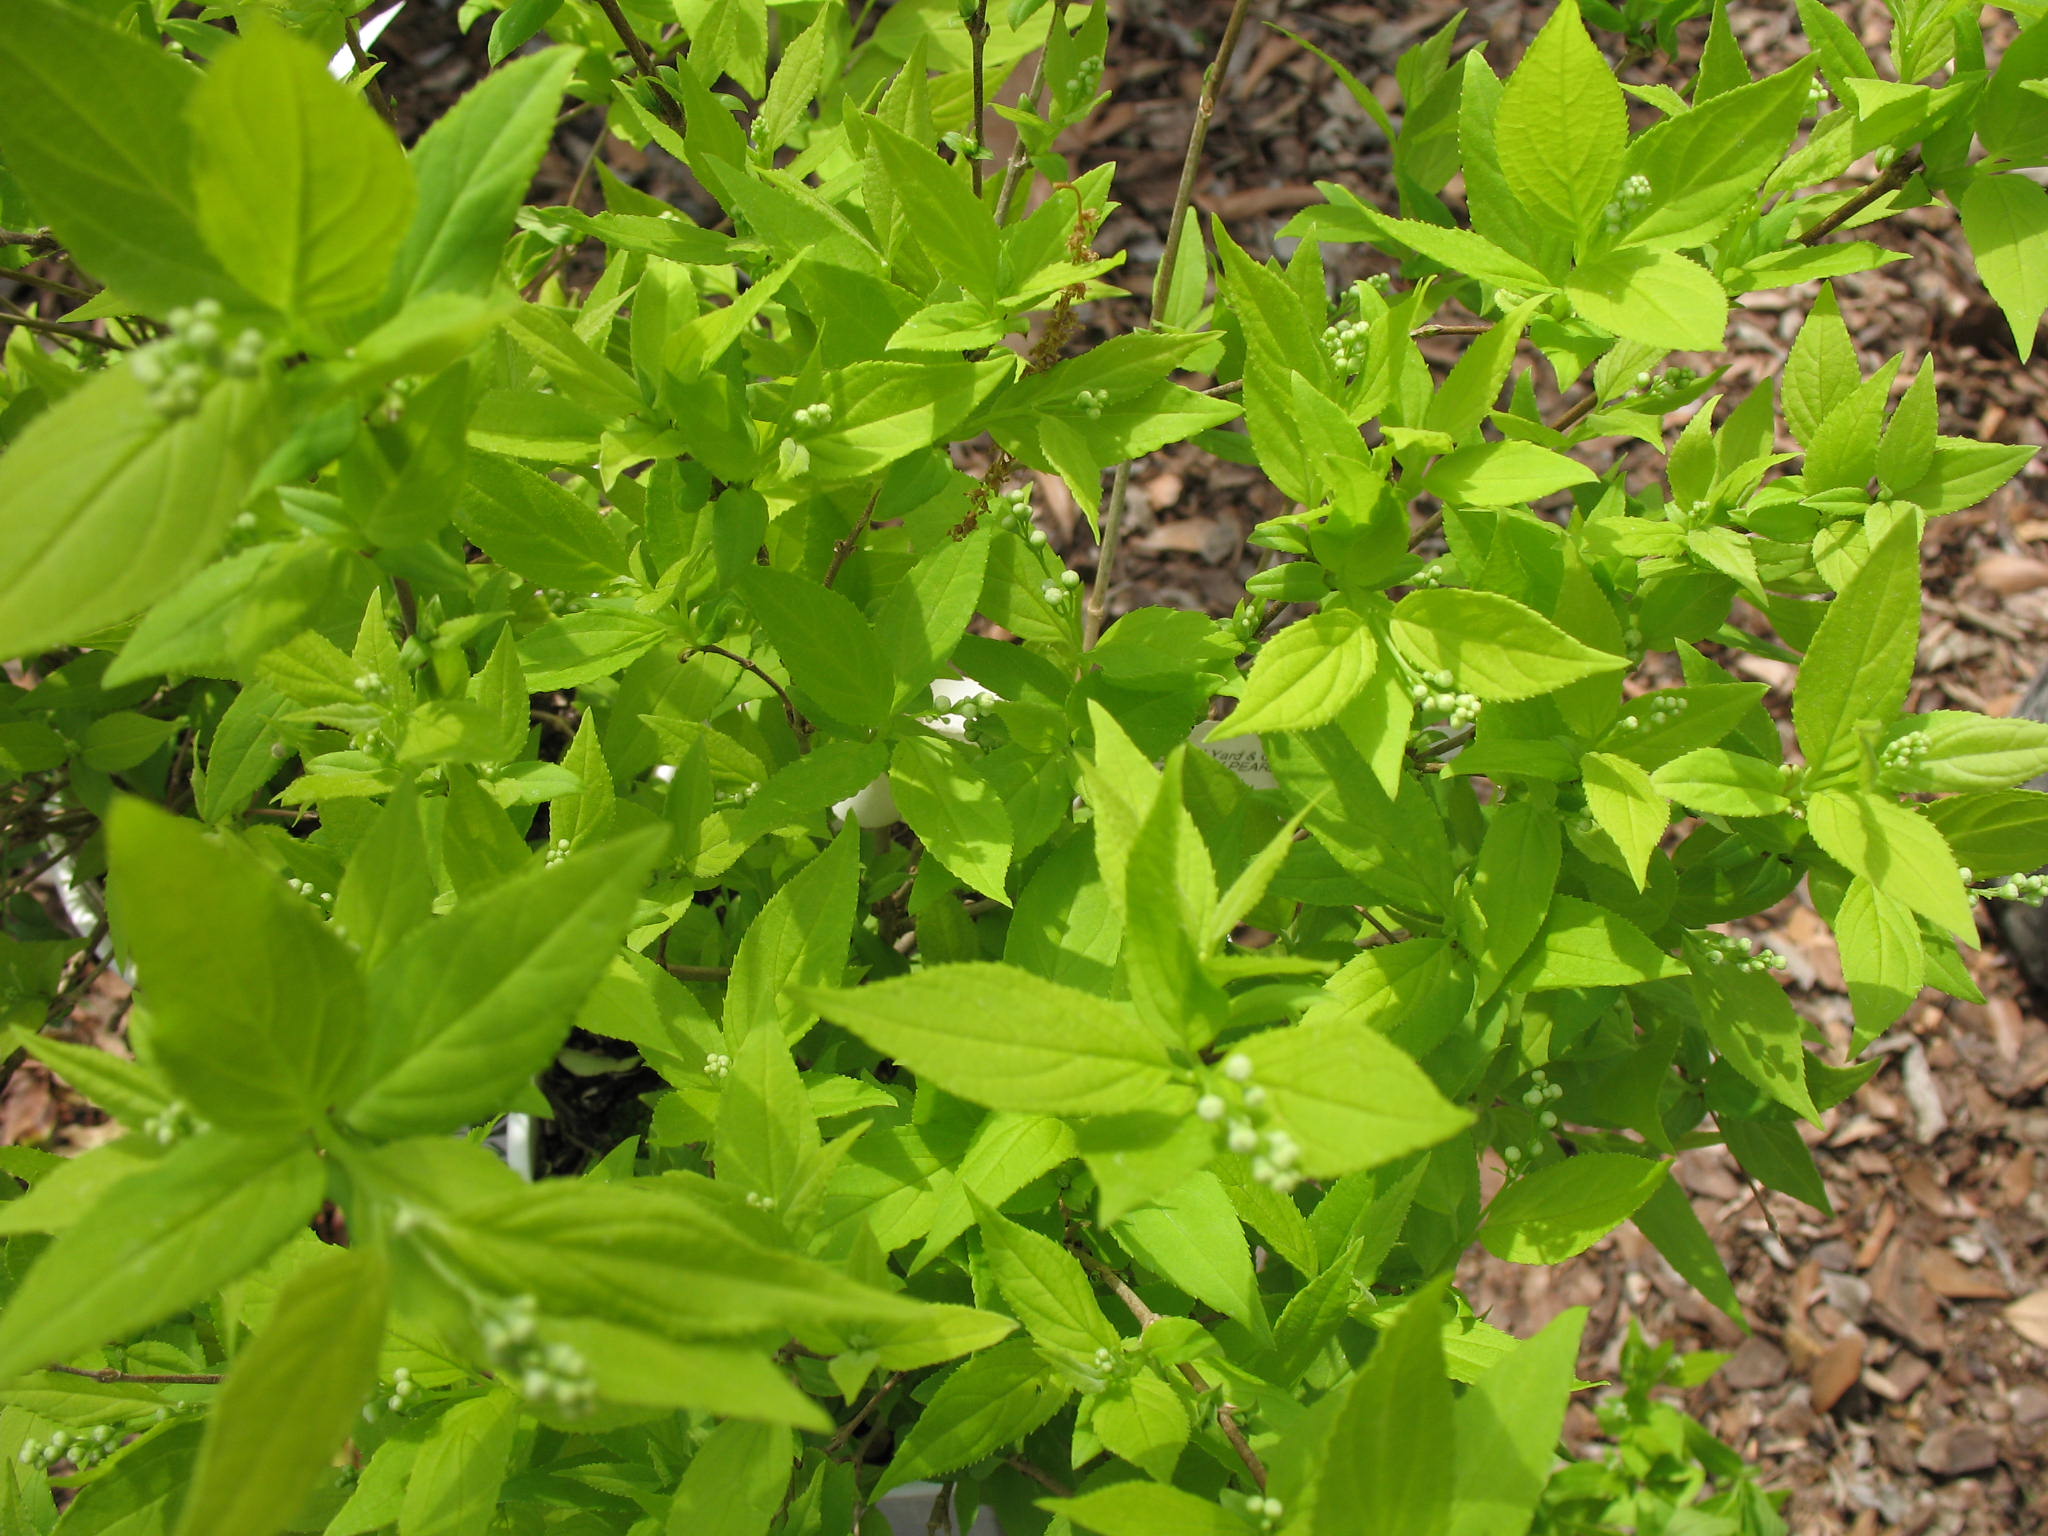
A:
<point x="1434" y="329"/>
<point x="1578" y="413"/>
<point x="1895" y="176"/>
<point x="1226" y="1413"/>
<point x="1097" y="607"/>
<point x="372" y="87"/>
<point x="1020" y="157"/>
<point x="47" y="284"/>
<point x="109" y="1376"/>
<point x="1040" y="1476"/>
<point x="845" y="1433"/>
<point x="40" y="241"/>
<point x="845" y="547"/>
<point x="9" y="315"/>
<point x="1429" y="525"/>
<point x="796" y="721"/>
<point x="643" y="63"/>
<point x="699" y="972"/>
<point x="977" y="36"/>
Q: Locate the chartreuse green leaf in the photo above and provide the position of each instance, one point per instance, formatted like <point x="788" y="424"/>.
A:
<point x="798" y="940"/>
<point x="1148" y="1509"/>
<point x="631" y="1365"/>
<point x="387" y="890"/>
<point x="1750" y="1022"/>
<point x="1659" y="298"/>
<point x="160" y="1241"/>
<point x="950" y="803"/>
<point x="475" y="1003"/>
<point x="987" y="1402"/>
<point x="1547" y="1216"/>
<point x="949" y="222"/>
<point x="1045" y="1286"/>
<point x="1006" y="1039"/>
<point x="1951" y="750"/>
<point x="301" y="192"/>
<point x="290" y="1399"/>
<point x="1385" y="1467"/>
<point x="1627" y="807"/>
<point x="1668" y="1220"/>
<point x="256" y="1009"/>
<point x="1142" y="1420"/>
<point x="1304" y="676"/>
<point x="1583" y="944"/>
<point x="1717" y="782"/>
<point x="454" y="1485"/>
<point x="96" y="131"/>
<point x="1562" y="127"/>
<point x="1883" y="957"/>
<point x="2005" y="219"/>
<point x="1703" y="165"/>
<point x="1504" y="1430"/>
<point x="1349" y="1097"/>
<point x="1821" y="371"/>
<point x="735" y="1483"/>
<point x="834" y="660"/>
<point x="1897" y="851"/>
<point x="472" y="169"/>
<point x="110" y="504"/>
<point x="1861" y="658"/>
<point x="1191" y="1237"/>
<point x="1502" y="474"/>
<point x="536" y="528"/>
<point x="766" y="1132"/>
<point x="1494" y="647"/>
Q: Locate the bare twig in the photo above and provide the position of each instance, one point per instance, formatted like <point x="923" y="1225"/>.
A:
<point x="1097" y="607"/>
<point x="47" y="284"/>
<point x="1577" y="413"/>
<point x="699" y="972"/>
<point x="41" y="243"/>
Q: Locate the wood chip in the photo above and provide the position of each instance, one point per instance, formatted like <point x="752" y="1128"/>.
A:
<point x="2008" y="575"/>
<point x="2029" y="1318"/>
<point x="1916" y="1079"/>
<point x="1874" y="1240"/>
<point x="1946" y="1275"/>
<point x="1836" y="1371"/>
<point x="1757" y="1364"/>
<point x="1906" y="1375"/>
<point x="1957" y="1450"/>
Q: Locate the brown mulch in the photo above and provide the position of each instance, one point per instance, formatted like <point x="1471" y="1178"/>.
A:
<point x="1896" y="1378"/>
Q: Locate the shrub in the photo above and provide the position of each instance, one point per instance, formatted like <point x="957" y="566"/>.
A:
<point x="1055" y="1100"/>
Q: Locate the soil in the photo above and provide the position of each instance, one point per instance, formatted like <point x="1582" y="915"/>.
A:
<point x="1895" y="1375"/>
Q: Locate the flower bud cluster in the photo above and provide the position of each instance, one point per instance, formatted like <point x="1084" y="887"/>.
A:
<point x="813" y="417"/>
<point x="1541" y="1091"/>
<point x="1097" y="1371"/>
<point x="1381" y="282"/>
<point x="1345" y="342"/>
<point x="760" y="1202"/>
<point x="173" y="1123"/>
<point x="1431" y="575"/>
<point x="1735" y="950"/>
<point x="398" y="1397"/>
<point x="2030" y="890"/>
<point x="547" y="1375"/>
<point x="1628" y="201"/>
<point x="1903" y="752"/>
<point x="1816" y="97"/>
<point x="307" y="889"/>
<point x="1660" y="709"/>
<point x="1669" y="378"/>
<point x="180" y="369"/>
<point x="717" y="1064"/>
<point x="85" y="1449"/>
<point x="1012" y="507"/>
<point x="557" y="852"/>
<point x="1250" y="1133"/>
<point x="1091" y="401"/>
<point x="1437" y="695"/>
<point x="1265" y="1509"/>
<point x="1055" y="592"/>
<point x="1082" y="82"/>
